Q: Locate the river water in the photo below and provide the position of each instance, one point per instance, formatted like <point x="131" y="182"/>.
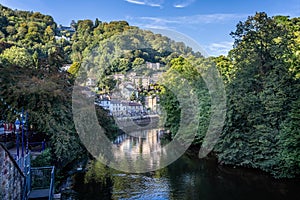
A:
<point x="186" y="178"/>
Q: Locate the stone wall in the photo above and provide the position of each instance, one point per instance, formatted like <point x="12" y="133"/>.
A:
<point x="11" y="177"/>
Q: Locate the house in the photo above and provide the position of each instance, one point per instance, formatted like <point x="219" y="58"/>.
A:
<point x="117" y="108"/>
<point x="119" y="77"/>
<point x="151" y="102"/>
<point x="155" y="77"/>
<point x="134" y="108"/>
<point x="126" y="90"/>
<point x="62" y="37"/>
<point x="143" y="80"/>
<point x="91" y="82"/>
<point x="65" y="67"/>
<point x="66" y="28"/>
<point x="104" y="102"/>
<point x="153" y="65"/>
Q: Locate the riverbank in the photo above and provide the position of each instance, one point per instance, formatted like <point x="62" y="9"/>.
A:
<point x="95" y="179"/>
<point x="186" y="178"/>
<point x="193" y="153"/>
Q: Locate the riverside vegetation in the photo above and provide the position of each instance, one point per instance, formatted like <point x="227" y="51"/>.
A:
<point x="261" y="76"/>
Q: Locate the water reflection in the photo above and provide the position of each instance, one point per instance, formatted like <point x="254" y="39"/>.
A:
<point x="187" y="178"/>
<point x="139" y="142"/>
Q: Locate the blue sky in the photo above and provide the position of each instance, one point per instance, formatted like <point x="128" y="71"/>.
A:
<point x="208" y="22"/>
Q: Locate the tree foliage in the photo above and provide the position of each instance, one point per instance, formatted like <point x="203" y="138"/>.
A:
<point x="184" y="75"/>
<point x="261" y="74"/>
<point x="261" y="87"/>
<point x="17" y="56"/>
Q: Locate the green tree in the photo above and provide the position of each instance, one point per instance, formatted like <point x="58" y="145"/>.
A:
<point x="288" y="157"/>
<point x="260" y="93"/>
<point x="185" y="72"/>
<point x="49" y="34"/>
<point x="74" y="69"/>
<point x="18" y="56"/>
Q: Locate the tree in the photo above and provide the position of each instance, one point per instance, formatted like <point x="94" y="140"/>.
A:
<point x="18" y="56"/>
<point x="288" y="157"/>
<point x="48" y="104"/>
<point x="133" y="97"/>
<point x="138" y="62"/>
<point x="226" y="68"/>
<point x="260" y="93"/>
<point x="184" y="78"/>
<point x="97" y="22"/>
<point x="35" y="58"/>
<point x="74" y="68"/>
<point x="49" y="34"/>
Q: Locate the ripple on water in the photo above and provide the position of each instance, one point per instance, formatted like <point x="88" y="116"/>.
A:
<point x="142" y="187"/>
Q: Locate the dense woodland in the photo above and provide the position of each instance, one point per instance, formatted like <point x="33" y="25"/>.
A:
<point x="261" y="77"/>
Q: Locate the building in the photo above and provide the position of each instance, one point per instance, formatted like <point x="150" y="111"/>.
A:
<point x="119" y="77"/>
<point x="134" y="108"/>
<point x="104" y="102"/>
<point x="66" y="28"/>
<point x="151" y="102"/>
<point x="126" y="89"/>
<point x="154" y="66"/>
<point x="140" y="80"/>
<point x="117" y="107"/>
<point x="62" y="37"/>
<point x="65" y="67"/>
<point x="155" y="77"/>
<point x="91" y="82"/>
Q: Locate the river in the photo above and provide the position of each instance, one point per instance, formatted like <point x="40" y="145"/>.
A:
<point x="186" y="178"/>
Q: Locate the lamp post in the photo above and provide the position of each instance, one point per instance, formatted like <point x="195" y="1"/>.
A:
<point x="26" y="119"/>
<point x="22" y="123"/>
<point x="5" y="131"/>
<point x="17" y="126"/>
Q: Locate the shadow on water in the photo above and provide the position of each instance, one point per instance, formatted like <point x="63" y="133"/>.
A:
<point x="187" y="178"/>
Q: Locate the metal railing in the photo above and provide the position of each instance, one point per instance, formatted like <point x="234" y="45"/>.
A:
<point x="27" y="186"/>
<point x="43" y="178"/>
<point x="51" y="191"/>
<point x="41" y="146"/>
<point x="23" y="162"/>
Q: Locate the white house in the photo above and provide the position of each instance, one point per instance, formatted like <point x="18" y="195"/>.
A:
<point x="151" y="102"/>
<point x="104" y="103"/>
<point x="134" y="108"/>
<point x="90" y="82"/>
<point x="119" y="77"/>
<point x="153" y="65"/>
<point x="117" y="107"/>
<point x="65" y="67"/>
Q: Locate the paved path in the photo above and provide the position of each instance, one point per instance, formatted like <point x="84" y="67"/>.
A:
<point x="13" y="151"/>
<point x="37" y="194"/>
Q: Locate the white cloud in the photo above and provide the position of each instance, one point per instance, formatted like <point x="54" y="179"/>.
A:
<point x="183" y="4"/>
<point x="136" y="2"/>
<point x="221" y="48"/>
<point x="152" y="3"/>
<point x="191" y="20"/>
